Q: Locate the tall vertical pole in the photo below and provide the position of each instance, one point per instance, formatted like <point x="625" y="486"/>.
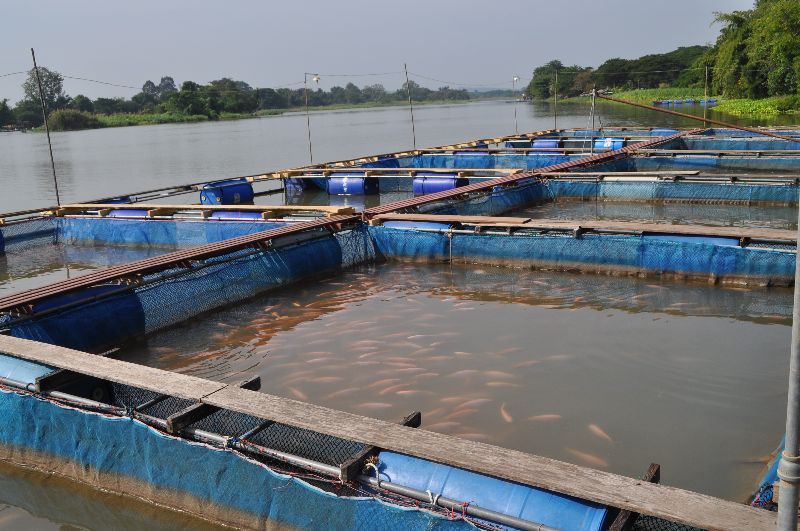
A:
<point x="789" y="468"/>
<point x="308" y="120"/>
<point x="591" y="134"/>
<point x="411" y="108"/>
<point x="705" y="96"/>
<point x="555" y="103"/>
<point x="46" y="126"/>
<point x="514" y="93"/>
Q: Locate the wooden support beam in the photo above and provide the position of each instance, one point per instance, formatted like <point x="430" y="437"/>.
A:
<point x="670" y="503"/>
<point x="625" y="519"/>
<point x="598" y="225"/>
<point x="185" y="417"/>
<point x="61" y="378"/>
<point x="353" y="467"/>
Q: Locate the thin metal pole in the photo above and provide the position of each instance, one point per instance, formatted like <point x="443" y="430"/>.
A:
<point x="308" y="120"/>
<point x="411" y="107"/>
<point x="46" y="126"/>
<point x="705" y="96"/>
<point x="591" y="137"/>
<point x="789" y="468"/>
<point x="514" y="93"/>
<point x="555" y="103"/>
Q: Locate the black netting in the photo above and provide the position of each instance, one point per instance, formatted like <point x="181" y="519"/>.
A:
<point x="651" y="523"/>
<point x="308" y="444"/>
<point x="22" y="235"/>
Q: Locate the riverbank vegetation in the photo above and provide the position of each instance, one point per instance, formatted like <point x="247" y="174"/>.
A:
<point x="754" y="66"/>
<point x="221" y="99"/>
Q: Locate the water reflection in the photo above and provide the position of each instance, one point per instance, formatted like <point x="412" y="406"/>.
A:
<point x="602" y="371"/>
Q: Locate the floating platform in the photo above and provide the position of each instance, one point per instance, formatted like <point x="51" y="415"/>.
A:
<point x="307" y="466"/>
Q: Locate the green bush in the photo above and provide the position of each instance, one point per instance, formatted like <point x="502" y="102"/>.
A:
<point x="72" y="120"/>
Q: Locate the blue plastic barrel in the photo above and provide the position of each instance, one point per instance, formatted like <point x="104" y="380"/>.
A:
<point x="712" y="101"/>
<point x="690" y="101"/>
<point x="609" y="143"/>
<point x="549" y="143"/>
<point x="232" y="192"/>
<point x="518" y="143"/>
<point x="663" y="132"/>
<point x="677" y="102"/>
<point x="21" y="370"/>
<point x="235" y="214"/>
<point x="528" y="503"/>
<point x="297" y="183"/>
<point x="128" y="213"/>
<point x="429" y="183"/>
<point x="354" y="183"/>
<point x="666" y="102"/>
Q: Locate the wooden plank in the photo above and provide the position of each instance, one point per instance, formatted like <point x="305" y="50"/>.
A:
<point x="759" y="152"/>
<point x="371" y="171"/>
<point x="625" y="519"/>
<point x="618" y="173"/>
<point x="79" y="207"/>
<point x="63" y="377"/>
<point x="610" y="226"/>
<point x="181" y="419"/>
<point x="354" y="466"/>
<point x="122" y="372"/>
<point x="673" y="504"/>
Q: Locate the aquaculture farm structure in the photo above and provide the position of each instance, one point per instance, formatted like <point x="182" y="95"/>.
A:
<point x="240" y="457"/>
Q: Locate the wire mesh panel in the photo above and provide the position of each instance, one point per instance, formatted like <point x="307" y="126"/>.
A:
<point x="651" y="523"/>
<point x="28" y="234"/>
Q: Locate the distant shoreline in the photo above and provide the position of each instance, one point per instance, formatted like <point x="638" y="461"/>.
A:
<point x="103" y="121"/>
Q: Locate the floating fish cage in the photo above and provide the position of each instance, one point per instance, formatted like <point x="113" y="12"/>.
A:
<point x="242" y="458"/>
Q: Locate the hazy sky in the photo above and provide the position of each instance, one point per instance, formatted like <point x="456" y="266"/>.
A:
<point x="269" y="44"/>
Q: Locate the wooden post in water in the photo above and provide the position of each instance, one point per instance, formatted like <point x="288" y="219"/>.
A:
<point x="514" y="94"/>
<point x="46" y="126"/>
<point x="705" y="96"/>
<point x="315" y="77"/>
<point x="411" y="108"/>
<point x="555" y="103"/>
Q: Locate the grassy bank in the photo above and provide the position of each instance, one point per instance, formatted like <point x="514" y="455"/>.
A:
<point x="72" y="120"/>
<point x="774" y="106"/>
<point x="648" y="96"/>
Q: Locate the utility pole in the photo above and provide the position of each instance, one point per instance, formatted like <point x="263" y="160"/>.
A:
<point x="46" y="126"/>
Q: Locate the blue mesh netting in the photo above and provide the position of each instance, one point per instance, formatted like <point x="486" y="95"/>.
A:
<point x="682" y="191"/>
<point x="174" y="295"/>
<point x="497" y="201"/>
<point x="217" y="479"/>
<point x="672" y="256"/>
<point x="524" y="161"/>
<point x="154" y="232"/>
<point x="36" y="232"/>
<point x="23" y="235"/>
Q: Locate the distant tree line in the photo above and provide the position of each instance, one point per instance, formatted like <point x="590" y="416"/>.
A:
<point x="211" y="100"/>
<point x="756" y="55"/>
<point x="674" y="68"/>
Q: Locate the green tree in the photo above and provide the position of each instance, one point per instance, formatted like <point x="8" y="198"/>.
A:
<point x="28" y="113"/>
<point x="52" y="88"/>
<point x="190" y="100"/>
<point x="82" y="103"/>
<point x="6" y="114"/>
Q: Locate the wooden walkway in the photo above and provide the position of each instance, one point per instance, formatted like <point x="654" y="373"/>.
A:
<point x="159" y="263"/>
<point x="638" y="496"/>
<point x="603" y="226"/>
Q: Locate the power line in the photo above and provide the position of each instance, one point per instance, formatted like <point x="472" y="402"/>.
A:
<point x="14" y="73"/>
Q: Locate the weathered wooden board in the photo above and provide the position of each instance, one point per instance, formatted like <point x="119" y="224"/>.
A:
<point x="621" y="226"/>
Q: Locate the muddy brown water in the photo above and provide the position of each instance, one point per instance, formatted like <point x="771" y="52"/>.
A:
<point x="608" y="372"/>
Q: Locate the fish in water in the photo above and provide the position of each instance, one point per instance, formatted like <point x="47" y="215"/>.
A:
<point x="598" y="431"/>
<point x="547" y="417"/>
<point x="375" y="405"/>
<point x="524" y="364"/>
<point x="502" y="384"/>
<point x="342" y="392"/>
<point x="463" y="372"/>
<point x="505" y="414"/>
<point x="300" y="395"/>
<point x="476" y="402"/>
<point x="589" y="459"/>
<point x="442" y="426"/>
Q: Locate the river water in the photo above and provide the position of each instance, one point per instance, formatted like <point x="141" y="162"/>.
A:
<point x="595" y="370"/>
